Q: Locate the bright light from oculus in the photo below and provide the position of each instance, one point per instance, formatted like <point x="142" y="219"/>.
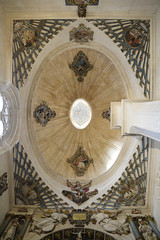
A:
<point x="80" y="113"/>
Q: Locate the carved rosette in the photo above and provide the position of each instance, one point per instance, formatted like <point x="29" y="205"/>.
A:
<point x="82" y="34"/>
<point x="80" y="161"/>
<point x="107" y="114"/>
<point x="43" y="114"/>
<point x="80" y="66"/>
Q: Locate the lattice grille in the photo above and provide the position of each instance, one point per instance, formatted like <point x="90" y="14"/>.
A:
<point x="133" y="37"/>
<point x="29" y="187"/>
<point x="29" y="37"/>
<point x="130" y="189"/>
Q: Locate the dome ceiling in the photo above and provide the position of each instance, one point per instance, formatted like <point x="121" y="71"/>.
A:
<point x="58" y="86"/>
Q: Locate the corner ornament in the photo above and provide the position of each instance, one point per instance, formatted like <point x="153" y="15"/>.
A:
<point x="43" y="114"/>
<point x="80" y="66"/>
<point x="80" y="161"/>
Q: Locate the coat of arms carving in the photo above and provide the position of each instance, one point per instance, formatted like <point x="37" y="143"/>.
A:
<point x="80" y="161"/>
<point x="81" y="65"/>
<point x="43" y="114"/>
<point x="82" y="34"/>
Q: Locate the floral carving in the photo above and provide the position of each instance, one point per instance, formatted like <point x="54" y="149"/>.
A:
<point x="3" y="183"/>
<point x="80" y="161"/>
<point x="81" y="66"/>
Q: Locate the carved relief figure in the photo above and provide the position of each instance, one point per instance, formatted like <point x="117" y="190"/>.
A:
<point x="29" y="189"/>
<point x="119" y="227"/>
<point x="110" y="222"/>
<point x="79" y="235"/>
<point x="10" y="231"/>
<point x="145" y="229"/>
<point x="80" y="193"/>
<point x="48" y="224"/>
<point x="97" y="217"/>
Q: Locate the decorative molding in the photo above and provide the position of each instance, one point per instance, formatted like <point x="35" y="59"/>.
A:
<point x="29" y="187"/>
<point x="3" y="183"/>
<point x="82" y="5"/>
<point x="10" y="116"/>
<point x="29" y="38"/>
<point x="81" y="35"/>
<point x="76" y="2"/>
<point x="43" y="114"/>
<point x="80" y="66"/>
<point x="79" y="217"/>
<point x="80" y="193"/>
<point x="158" y="183"/>
<point x="130" y="189"/>
<point x="133" y="38"/>
<point x="80" y="161"/>
<point x="107" y="114"/>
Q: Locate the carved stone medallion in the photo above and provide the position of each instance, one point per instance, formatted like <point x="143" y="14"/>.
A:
<point x="80" y="161"/>
<point x="82" y="34"/>
<point x="81" y="66"/>
<point x="43" y="114"/>
<point x="107" y="114"/>
<point x="133" y="37"/>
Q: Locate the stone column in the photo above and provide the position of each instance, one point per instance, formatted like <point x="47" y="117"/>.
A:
<point x="5" y="223"/>
<point x="24" y="228"/>
<point x="135" y="231"/>
<point x="153" y="226"/>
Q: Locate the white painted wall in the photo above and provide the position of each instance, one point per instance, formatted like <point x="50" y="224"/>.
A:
<point x="5" y="160"/>
<point x="2" y="44"/>
<point x="155" y="155"/>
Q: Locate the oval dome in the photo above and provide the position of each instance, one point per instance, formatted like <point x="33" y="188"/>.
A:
<point x="57" y="85"/>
